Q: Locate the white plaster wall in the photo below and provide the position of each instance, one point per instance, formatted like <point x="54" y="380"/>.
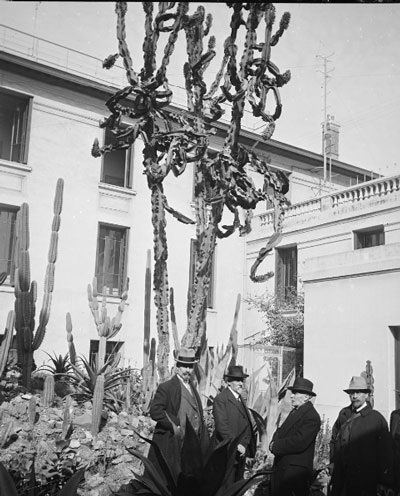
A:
<point x="350" y="300"/>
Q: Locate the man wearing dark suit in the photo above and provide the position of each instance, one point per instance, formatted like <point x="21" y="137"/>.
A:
<point x="233" y="420"/>
<point x="175" y="401"/>
<point x="360" y="449"/>
<point x="293" y="443"/>
<point x="395" y="432"/>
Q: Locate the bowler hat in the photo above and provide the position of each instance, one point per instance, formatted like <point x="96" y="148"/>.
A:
<point x="186" y="356"/>
<point x="235" y="372"/>
<point x="357" y="383"/>
<point x="302" y="385"/>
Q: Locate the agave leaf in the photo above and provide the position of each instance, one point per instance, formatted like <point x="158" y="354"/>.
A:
<point x="7" y="486"/>
<point x="154" y="477"/>
<point x="261" y="423"/>
<point x="170" y="470"/>
<point x="71" y="486"/>
<point x="240" y="487"/>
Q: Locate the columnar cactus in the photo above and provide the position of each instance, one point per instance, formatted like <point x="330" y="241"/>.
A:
<point x="26" y="292"/>
<point x="98" y="397"/>
<point x="7" y="339"/>
<point x="48" y="391"/>
<point x="169" y="138"/>
<point x="70" y="339"/>
<point x="107" y="328"/>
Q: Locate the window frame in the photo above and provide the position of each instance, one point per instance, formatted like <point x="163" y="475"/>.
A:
<point x="117" y="292"/>
<point x="128" y="166"/>
<point x="284" y="291"/>
<point x="363" y="238"/>
<point x="11" y="209"/>
<point x="26" y="131"/>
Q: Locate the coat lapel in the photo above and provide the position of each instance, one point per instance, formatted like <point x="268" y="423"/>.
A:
<point x="293" y="417"/>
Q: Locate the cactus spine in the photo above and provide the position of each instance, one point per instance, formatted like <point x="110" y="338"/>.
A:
<point x="98" y="398"/>
<point x="7" y="339"/>
<point x="26" y="292"/>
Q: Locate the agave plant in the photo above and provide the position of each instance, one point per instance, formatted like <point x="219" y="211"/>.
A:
<point x="84" y="382"/>
<point x="59" y="366"/>
<point x="8" y="488"/>
<point x="199" y="467"/>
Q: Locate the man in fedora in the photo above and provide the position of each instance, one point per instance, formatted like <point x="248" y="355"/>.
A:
<point x="176" y="401"/>
<point x="233" y="420"/>
<point x="293" y="443"/>
<point x="395" y="433"/>
<point x="360" y="447"/>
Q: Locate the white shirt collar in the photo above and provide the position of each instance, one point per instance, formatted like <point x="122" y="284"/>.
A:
<point x="235" y="394"/>
<point x="361" y="407"/>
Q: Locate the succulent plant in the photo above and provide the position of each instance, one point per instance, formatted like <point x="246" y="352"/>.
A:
<point x="198" y="467"/>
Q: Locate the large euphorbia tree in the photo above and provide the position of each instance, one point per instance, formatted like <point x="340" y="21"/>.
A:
<point x="172" y="140"/>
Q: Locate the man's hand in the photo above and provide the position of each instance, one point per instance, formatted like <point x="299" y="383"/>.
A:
<point x="241" y="449"/>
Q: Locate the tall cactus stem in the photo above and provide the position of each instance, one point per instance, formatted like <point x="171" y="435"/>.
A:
<point x="98" y="398"/>
<point x="48" y="391"/>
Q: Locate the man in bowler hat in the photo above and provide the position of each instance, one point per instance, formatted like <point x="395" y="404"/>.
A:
<point x="176" y="401"/>
<point x="293" y="443"/>
<point x="360" y="447"/>
<point x="233" y="420"/>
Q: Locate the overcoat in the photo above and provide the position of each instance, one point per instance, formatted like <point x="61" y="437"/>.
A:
<point x="167" y="400"/>
<point x="362" y="458"/>
<point x="293" y="445"/>
<point x="233" y="418"/>
<point x="395" y="432"/>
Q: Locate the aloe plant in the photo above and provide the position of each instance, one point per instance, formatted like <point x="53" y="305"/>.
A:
<point x="197" y="467"/>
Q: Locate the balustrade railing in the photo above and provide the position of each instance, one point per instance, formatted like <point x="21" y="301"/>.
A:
<point x="360" y="192"/>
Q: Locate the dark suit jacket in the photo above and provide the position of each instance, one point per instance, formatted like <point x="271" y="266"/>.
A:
<point x="395" y="432"/>
<point x="294" y="441"/>
<point x="367" y="458"/>
<point x="167" y="399"/>
<point x="233" y="418"/>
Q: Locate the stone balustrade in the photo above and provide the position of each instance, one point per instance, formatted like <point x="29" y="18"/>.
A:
<point x="360" y="192"/>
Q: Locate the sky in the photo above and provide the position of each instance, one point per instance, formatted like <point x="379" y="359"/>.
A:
<point x="359" y="42"/>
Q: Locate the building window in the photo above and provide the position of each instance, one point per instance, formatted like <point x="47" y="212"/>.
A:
<point x="111" y="259"/>
<point x="366" y="238"/>
<point x="8" y="217"/>
<point x="112" y="348"/>
<point x="15" y="111"/>
<point x="117" y="164"/>
<point x="286" y="273"/>
<point x="211" y="287"/>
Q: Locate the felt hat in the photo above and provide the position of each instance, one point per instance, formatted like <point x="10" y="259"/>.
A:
<point x="302" y="385"/>
<point x="235" y="372"/>
<point x="186" y="356"/>
<point x="357" y="383"/>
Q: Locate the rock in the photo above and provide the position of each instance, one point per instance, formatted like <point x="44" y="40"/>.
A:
<point x="74" y="444"/>
<point x="127" y="432"/>
<point x="85" y="420"/>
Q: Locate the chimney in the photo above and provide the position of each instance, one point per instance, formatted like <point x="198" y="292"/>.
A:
<point x="331" y="140"/>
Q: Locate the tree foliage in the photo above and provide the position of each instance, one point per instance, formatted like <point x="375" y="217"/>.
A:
<point x="283" y="318"/>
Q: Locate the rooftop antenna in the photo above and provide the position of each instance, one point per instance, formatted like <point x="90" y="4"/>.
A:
<point x="326" y="75"/>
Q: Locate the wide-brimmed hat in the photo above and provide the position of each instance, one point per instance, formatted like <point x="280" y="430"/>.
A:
<point x="186" y="356"/>
<point x="235" y="372"/>
<point x="302" y="385"/>
<point x="357" y="383"/>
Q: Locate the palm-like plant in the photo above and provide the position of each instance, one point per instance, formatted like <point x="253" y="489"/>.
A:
<point x="199" y="467"/>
